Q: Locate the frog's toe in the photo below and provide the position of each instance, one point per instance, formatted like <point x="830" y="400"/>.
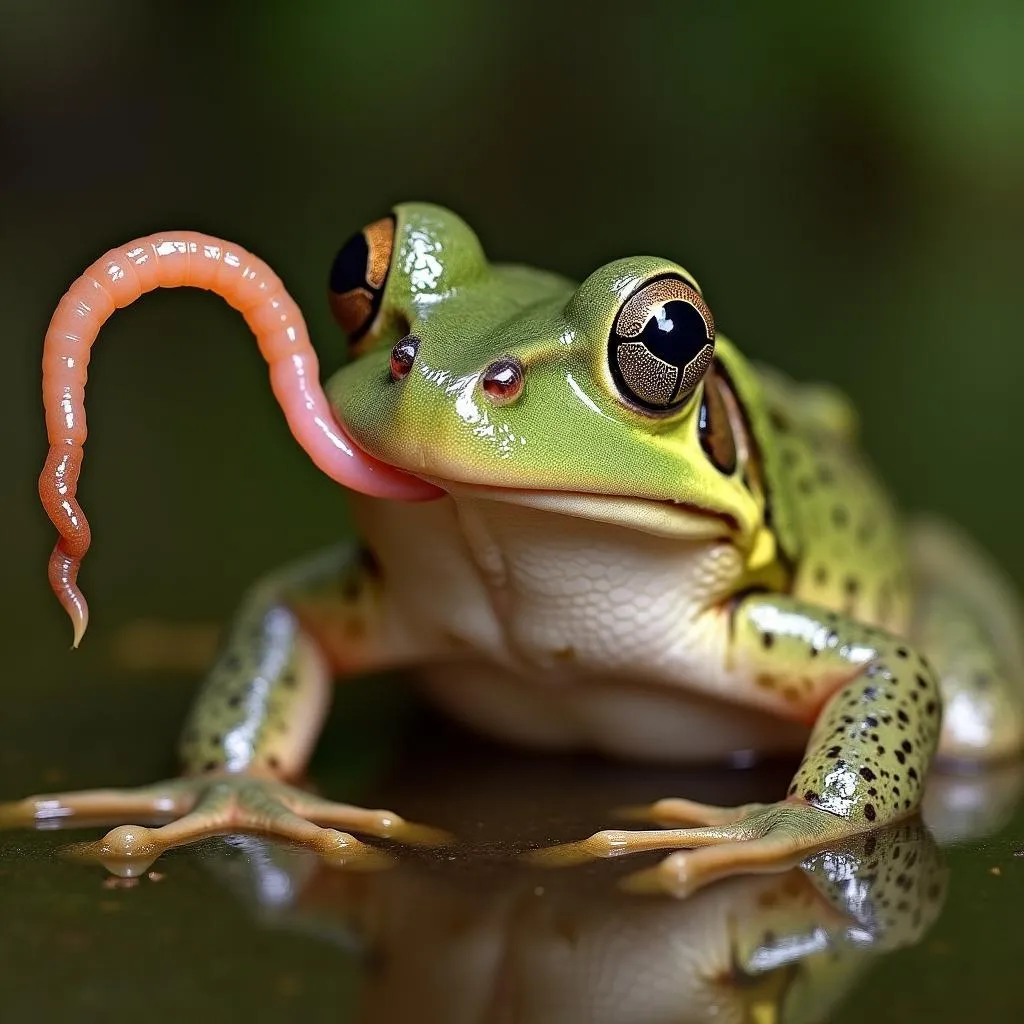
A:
<point x="683" y="873"/>
<point x="96" y="806"/>
<point x="674" y="811"/>
<point x="381" y="823"/>
<point x="743" y="840"/>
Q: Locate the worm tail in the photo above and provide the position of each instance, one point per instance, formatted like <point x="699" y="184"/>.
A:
<point x="171" y="260"/>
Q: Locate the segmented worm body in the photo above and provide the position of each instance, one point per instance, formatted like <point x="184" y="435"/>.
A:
<point x="171" y="260"/>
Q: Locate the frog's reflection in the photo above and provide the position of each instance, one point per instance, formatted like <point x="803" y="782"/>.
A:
<point x="765" y="948"/>
<point x="471" y="933"/>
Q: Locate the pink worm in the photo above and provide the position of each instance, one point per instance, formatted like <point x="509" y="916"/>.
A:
<point x="172" y="260"/>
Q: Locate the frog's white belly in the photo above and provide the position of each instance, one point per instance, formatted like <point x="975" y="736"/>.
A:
<point x="608" y="716"/>
<point x="564" y="632"/>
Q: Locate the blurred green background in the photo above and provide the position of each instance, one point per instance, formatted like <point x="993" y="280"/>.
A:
<point x="846" y="181"/>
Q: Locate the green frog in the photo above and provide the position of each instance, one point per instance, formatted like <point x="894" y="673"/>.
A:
<point x="642" y="544"/>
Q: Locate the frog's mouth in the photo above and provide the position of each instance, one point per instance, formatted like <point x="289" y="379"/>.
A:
<point x="648" y="515"/>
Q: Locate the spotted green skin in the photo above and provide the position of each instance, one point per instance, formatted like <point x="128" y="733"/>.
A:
<point x="838" y="575"/>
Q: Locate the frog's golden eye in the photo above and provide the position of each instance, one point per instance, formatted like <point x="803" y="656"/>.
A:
<point x="358" y="275"/>
<point x="661" y="344"/>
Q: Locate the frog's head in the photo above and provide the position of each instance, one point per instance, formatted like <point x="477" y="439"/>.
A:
<point x="608" y="400"/>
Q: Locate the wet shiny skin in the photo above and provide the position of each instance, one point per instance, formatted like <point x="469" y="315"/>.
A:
<point x="642" y="550"/>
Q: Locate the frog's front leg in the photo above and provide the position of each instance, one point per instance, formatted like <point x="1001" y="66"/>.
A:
<point x="876" y="708"/>
<point x="254" y="724"/>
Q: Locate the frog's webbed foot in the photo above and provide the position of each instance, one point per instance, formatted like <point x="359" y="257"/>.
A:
<point x="717" y="842"/>
<point x="214" y="804"/>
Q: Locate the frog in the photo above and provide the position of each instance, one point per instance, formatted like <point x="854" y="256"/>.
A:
<point x="587" y="522"/>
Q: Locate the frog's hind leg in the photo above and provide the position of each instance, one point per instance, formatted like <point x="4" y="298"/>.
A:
<point x="968" y="620"/>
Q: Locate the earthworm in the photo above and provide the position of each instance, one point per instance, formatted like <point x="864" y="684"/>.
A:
<point x="170" y="260"/>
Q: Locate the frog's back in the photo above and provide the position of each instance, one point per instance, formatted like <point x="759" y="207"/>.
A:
<point x="837" y="524"/>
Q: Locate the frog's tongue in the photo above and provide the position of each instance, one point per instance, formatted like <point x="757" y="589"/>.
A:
<point x="173" y="259"/>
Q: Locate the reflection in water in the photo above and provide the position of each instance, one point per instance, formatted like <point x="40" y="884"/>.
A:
<point x="478" y="945"/>
<point x="475" y="933"/>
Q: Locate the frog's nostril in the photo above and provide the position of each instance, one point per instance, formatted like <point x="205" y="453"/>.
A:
<point x="403" y="355"/>
<point x="503" y="381"/>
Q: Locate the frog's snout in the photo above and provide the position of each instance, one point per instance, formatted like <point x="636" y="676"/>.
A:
<point x="501" y="380"/>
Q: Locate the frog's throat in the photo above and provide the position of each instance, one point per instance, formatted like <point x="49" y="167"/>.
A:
<point x="659" y="518"/>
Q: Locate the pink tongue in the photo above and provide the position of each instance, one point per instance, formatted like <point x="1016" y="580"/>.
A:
<point x="296" y="386"/>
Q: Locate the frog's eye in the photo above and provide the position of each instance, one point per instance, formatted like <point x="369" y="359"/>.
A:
<point x="358" y="275"/>
<point x="661" y="344"/>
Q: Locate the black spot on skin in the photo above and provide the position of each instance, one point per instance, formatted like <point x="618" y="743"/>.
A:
<point x="902" y="716"/>
<point x="907" y="746"/>
<point x="833" y="752"/>
<point x="900" y="756"/>
<point x="767" y="639"/>
<point x="902" y="652"/>
<point x="912" y="774"/>
<point x="930" y="707"/>
<point x="809" y="795"/>
<point x="871" y="722"/>
<point x="869" y="811"/>
<point x="851" y="585"/>
<point x="921" y="681"/>
<point x="867" y="774"/>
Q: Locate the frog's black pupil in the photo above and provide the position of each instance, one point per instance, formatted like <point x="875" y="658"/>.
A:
<point x="676" y="333"/>
<point x="349" y="268"/>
